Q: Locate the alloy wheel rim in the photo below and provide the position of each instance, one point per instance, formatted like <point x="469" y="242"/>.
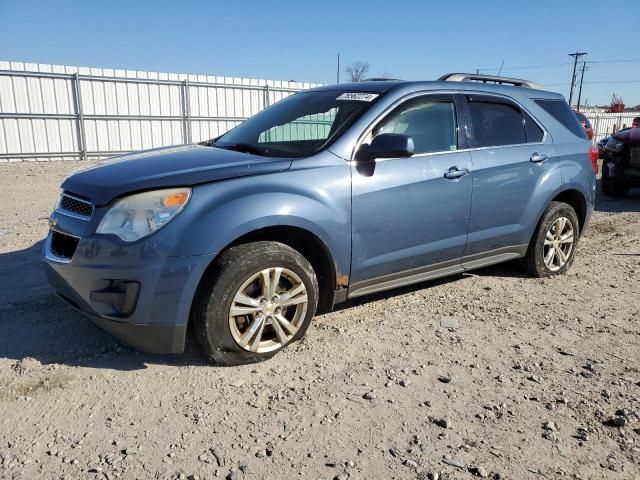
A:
<point x="558" y="244"/>
<point x="268" y="310"/>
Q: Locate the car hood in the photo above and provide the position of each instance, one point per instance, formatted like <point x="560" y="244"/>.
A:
<point x="166" y="167"/>
<point x="630" y="136"/>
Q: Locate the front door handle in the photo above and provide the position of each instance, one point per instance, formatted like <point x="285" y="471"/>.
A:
<point x="455" y="172"/>
<point x="538" y="157"/>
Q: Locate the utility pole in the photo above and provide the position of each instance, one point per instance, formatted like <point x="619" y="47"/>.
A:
<point x="338" y="70"/>
<point x="575" y="56"/>
<point x="584" y="67"/>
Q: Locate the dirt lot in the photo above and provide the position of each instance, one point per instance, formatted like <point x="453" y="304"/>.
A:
<point x="540" y="379"/>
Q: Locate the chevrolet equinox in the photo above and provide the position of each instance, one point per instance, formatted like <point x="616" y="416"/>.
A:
<point x="330" y="194"/>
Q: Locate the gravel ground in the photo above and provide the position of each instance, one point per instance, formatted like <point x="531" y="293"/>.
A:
<point x="489" y="374"/>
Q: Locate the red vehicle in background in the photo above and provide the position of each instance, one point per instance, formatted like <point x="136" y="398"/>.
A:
<point x="586" y="124"/>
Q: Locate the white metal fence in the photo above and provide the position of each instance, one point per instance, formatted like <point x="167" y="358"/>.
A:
<point x="604" y="124"/>
<point x="62" y="112"/>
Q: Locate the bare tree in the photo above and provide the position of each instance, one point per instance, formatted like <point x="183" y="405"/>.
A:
<point x="357" y="71"/>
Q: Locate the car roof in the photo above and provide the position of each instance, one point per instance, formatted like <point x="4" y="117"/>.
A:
<point x="406" y="86"/>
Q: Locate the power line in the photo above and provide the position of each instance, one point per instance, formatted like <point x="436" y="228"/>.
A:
<point x="595" y="82"/>
<point x="624" y="60"/>
<point x="530" y="67"/>
<point x="612" y="81"/>
<point x="563" y="64"/>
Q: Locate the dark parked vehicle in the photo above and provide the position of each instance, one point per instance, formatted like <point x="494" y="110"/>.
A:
<point x="621" y="163"/>
<point x="586" y="124"/>
<point x="601" y="147"/>
<point x="330" y="194"/>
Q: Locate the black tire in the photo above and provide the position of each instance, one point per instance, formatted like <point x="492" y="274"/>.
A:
<point x="609" y="185"/>
<point x="533" y="261"/>
<point x="210" y="311"/>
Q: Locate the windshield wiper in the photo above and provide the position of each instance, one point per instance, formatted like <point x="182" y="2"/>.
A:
<point x="245" y="148"/>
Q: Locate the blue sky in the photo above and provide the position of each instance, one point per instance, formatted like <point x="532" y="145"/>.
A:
<point x="299" y="40"/>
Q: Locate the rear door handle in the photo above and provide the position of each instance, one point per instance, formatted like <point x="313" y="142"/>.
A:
<point x="538" y="157"/>
<point x="455" y="172"/>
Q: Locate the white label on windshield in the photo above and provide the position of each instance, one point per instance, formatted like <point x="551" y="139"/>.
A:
<point x="358" y="96"/>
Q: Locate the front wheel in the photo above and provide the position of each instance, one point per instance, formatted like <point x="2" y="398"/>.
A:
<point x="258" y="298"/>
<point x="552" y="248"/>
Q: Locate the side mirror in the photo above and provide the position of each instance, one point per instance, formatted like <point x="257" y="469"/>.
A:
<point x="389" y="145"/>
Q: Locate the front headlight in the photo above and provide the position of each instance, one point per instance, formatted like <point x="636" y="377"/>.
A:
<point x="141" y="214"/>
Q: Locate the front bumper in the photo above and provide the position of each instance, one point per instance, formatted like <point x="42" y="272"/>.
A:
<point x="147" y="338"/>
<point x="151" y="311"/>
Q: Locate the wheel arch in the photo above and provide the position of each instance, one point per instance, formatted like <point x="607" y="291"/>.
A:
<point x="577" y="201"/>
<point x="310" y="245"/>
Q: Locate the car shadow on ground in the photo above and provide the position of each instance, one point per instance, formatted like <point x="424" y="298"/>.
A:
<point x="374" y="297"/>
<point x="35" y="323"/>
<point x="628" y="203"/>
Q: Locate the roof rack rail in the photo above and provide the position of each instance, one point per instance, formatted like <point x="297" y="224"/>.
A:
<point x="477" y="77"/>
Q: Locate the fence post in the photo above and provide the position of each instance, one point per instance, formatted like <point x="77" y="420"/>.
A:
<point x="266" y="104"/>
<point x="266" y="96"/>
<point x="82" y="139"/>
<point x="186" y="121"/>
<point x="596" y="130"/>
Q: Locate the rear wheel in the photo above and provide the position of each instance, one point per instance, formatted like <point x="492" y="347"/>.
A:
<point x="259" y="298"/>
<point x="552" y="248"/>
<point x="610" y="186"/>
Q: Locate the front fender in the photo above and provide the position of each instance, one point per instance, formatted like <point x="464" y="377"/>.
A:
<point x="316" y="200"/>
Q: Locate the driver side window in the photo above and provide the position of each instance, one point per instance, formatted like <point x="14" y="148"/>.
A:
<point x="430" y="122"/>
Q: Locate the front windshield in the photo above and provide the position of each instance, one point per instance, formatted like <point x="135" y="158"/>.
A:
<point x="298" y="126"/>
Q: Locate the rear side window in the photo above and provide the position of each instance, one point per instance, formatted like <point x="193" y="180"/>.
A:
<point x="533" y="131"/>
<point x="495" y="124"/>
<point x="559" y="110"/>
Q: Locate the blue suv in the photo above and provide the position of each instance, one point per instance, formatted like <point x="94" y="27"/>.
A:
<point x="330" y="194"/>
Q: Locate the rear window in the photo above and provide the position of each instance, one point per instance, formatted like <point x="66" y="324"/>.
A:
<point x="559" y="110"/>
<point x="582" y="118"/>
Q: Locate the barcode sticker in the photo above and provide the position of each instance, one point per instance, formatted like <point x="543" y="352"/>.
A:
<point x="358" y="96"/>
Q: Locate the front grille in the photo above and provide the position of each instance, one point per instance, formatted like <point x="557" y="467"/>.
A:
<point x="76" y="206"/>
<point x="63" y="246"/>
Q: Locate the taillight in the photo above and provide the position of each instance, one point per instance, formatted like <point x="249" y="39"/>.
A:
<point x="593" y="155"/>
